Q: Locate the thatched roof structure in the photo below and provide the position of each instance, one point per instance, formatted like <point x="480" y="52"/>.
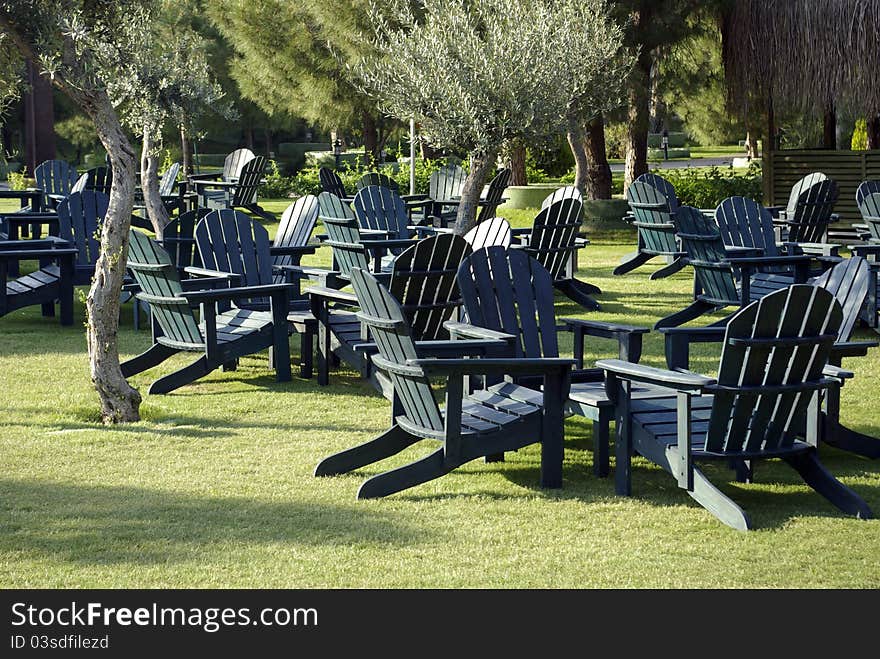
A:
<point x="804" y="54"/>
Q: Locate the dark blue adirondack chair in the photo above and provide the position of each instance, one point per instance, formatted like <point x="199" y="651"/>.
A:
<point x="444" y="185"/>
<point x="377" y="178"/>
<point x="51" y="282"/>
<point x="868" y="199"/>
<point x="222" y="335"/>
<point x="422" y="279"/>
<point x="178" y="239"/>
<point x="239" y="192"/>
<point x="233" y="245"/>
<point x="55" y="178"/>
<point x="332" y="183"/>
<point x="763" y="404"/>
<point x="809" y="211"/>
<point x="653" y="215"/>
<point x="79" y="218"/>
<point x="849" y="281"/>
<point x="489" y="233"/>
<point x="508" y="292"/>
<point x="504" y="417"/>
<point x="720" y="279"/>
<point x="488" y="205"/>
<point x="379" y="208"/>
<point x="553" y="241"/>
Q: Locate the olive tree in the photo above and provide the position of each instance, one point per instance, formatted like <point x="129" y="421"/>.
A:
<point x="477" y="73"/>
<point x="89" y="49"/>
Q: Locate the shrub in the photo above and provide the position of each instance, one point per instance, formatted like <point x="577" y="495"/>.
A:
<point x="860" y="136"/>
<point x="17" y="180"/>
<point x="276" y="185"/>
<point x="307" y="180"/>
<point x="706" y="188"/>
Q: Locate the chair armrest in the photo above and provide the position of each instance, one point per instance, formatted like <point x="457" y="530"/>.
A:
<point x="293" y="250"/>
<point x="456" y="329"/>
<point x="332" y="295"/>
<point x="865" y="250"/>
<point x="388" y="243"/>
<point x="207" y="272"/>
<point x="494" y="366"/>
<point x="677" y="342"/>
<point x="836" y="372"/>
<point x="203" y="283"/>
<point x="602" y="329"/>
<point x="26" y="254"/>
<point x="214" y="184"/>
<point x="769" y="260"/>
<point x="210" y="176"/>
<point x="449" y="349"/>
<point x="628" y="337"/>
<point x="677" y="380"/>
<point x="852" y="348"/>
<point x="238" y="291"/>
<point x="822" y="249"/>
<point x="739" y="251"/>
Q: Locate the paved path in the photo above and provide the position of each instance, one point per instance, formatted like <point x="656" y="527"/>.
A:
<point x="681" y="164"/>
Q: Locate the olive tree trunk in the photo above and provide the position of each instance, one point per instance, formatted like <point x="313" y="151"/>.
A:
<point x="481" y="164"/>
<point x="575" y="137"/>
<point x="186" y="152"/>
<point x="518" y="174"/>
<point x="150" y="183"/>
<point x="598" y="185"/>
<point x="637" y="119"/>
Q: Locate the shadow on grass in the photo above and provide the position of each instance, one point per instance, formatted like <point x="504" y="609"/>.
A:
<point x="98" y="525"/>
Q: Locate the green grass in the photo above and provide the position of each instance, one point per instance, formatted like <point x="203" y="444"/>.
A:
<point x="214" y="488"/>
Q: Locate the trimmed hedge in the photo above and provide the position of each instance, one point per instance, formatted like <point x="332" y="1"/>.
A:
<point x="676" y="140"/>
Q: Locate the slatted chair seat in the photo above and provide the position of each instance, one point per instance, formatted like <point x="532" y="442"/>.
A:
<point x="51" y="282"/>
<point x="765" y="403"/>
<point x="653" y="215"/>
<point x="480" y="425"/>
<point x="221" y="335"/>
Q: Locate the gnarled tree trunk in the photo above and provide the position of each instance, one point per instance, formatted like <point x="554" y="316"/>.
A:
<point x="481" y="163"/>
<point x="186" y="151"/>
<point x="518" y="174"/>
<point x="637" y="119"/>
<point x="156" y="210"/>
<point x="575" y="136"/>
<point x="599" y="171"/>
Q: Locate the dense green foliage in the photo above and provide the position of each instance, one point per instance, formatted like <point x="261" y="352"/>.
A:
<point x="707" y="187"/>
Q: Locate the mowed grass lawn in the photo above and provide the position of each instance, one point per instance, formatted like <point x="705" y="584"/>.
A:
<point x="214" y="487"/>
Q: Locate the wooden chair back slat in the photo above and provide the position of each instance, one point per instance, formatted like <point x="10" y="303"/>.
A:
<point x="395" y="343"/>
<point x="554" y="234"/>
<point x="379" y="179"/>
<point x="446" y="182"/>
<point x="702" y="241"/>
<point x="869" y="207"/>
<point x="497" y="186"/>
<point x="663" y="186"/>
<point x="329" y="205"/>
<point x="379" y="207"/>
<point x="494" y="231"/>
<point x="653" y="217"/>
<point x="423" y="280"/>
<point x="79" y="218"/>
<point x="331" y="182"/>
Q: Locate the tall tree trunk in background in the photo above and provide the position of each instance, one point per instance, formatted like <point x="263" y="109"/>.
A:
<point x="637" y="117"/>
<point x="481" y="164"/>
<point x="371" y="140"/>
<point x="249" y="137"/>
<point x="599" y="171"/>
<point x="655" y="101"/>
<point x="267" y="134"/>
<point x="518" y="175"/>
<point x="751" y="144"/>
<point x="576" y="140"/>
<point x="873" y="125"/>
<point x="156" y="210"/>
<point x="39" y="119"/>
<point x="186" y="152"/>
<point x="829" y="128"/>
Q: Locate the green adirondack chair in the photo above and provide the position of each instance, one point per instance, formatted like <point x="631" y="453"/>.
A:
<point x="506" y="293"/>
<point x="849" y="281"/>
<point x="504" y="417"/>
<point x="653" y="214"/>
<point x="764" y="400"/>
<point x="722" y="280"/>
<point x="809" y="211"/>
<point x="221" y="336"/>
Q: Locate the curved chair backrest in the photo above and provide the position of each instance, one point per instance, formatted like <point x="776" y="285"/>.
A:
<point x="344" y="238"/>
<point x="55" y="177"/>
<point x="99" y="179"/>
<point x="865" y="188"/>
<point x="330" y="182"/>
<point x="702" y="241"/>
<point x="869" y="207"/>
<point x="388" y="326"/>
<point x="554" y="234"/>
<point x="506" y="290"/>
<point x="493" y="195"/>
<point x="80" y="184"/>
<point x="169" y="180"/>
<point x="295" y="229"/>
<point x="744" y="222"/>
<point x="235" y="162"/>
<point x="849" y="282"/>
<point x="810" y="207"/>
<point x="495" y="231"/>
<point x="423" y="281"/>
<point x="653" y="217"/>
<point x="379" y="207"/>
<point x="79" y="218"/>
<point x="329" y="205"/>
<point x="230" y="241"/>
<point x="248" y="180"/>
<point x="771" y="367"/>
<point x="178" y="238"/>
<point x="157" y="275"/>
<point x="664" y="186"/>
<point x="567" y="192"/>
<point x="446" y="182"/>
<point x="377" y="178"/>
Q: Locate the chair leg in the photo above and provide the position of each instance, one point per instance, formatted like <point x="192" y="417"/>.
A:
<point x="577" y="292"/>
<point x="187" y="374"/>
<point x="670" y="269"/>
<point x="632" y="261"/>
<point x="743" y="470"/>
<point x="153" y="356"/>
<point x="390" y="442"/>
<point x="48" y="309"/>
<point x="839" y="436"/>
<point x="601" y="436"/>
<point x="428" y="468"/>
<point x="718" y="503"/>
<point x="307" y="349"/>
<point x="696" y="309"/>
<point x="820" y="479"/>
